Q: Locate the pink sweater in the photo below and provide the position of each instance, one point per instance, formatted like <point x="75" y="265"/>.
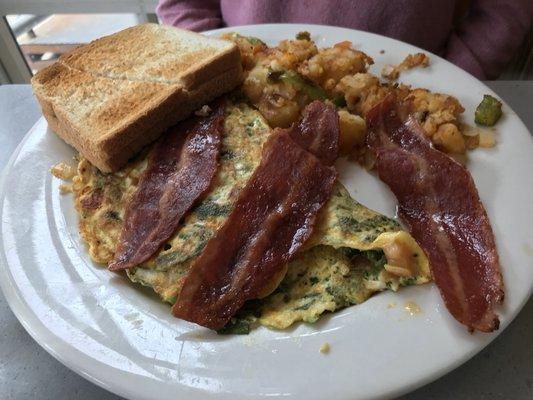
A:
<point x="481" y="43"/>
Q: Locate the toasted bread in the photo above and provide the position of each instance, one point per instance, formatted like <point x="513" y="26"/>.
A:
<point x="113" y="96"/>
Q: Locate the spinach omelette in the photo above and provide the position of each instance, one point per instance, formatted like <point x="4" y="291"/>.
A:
<point x="353" y="253"/>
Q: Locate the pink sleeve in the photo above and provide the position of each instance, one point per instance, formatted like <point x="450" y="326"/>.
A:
<point x="489" y="36"/>
<point x="196" y="15"/>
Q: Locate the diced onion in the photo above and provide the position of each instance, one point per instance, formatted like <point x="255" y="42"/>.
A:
<point x="487" y="138"/>
<point x="398" y="271"/>
<point x="375" y="285"/>
<point x="468" y="130"/>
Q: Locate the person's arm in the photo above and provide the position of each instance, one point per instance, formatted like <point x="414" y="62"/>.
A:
<point x="196" y="15"/>
<point x="489" y="36"/>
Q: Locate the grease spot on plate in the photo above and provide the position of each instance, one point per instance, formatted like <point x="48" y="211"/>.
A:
<point x="412" y="308"/>
<point x="131" y="316"/>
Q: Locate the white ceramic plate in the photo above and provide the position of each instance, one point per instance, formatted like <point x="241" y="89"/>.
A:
<point x="123" y="339"/>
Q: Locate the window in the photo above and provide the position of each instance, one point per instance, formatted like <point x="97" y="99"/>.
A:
<point x="42" y="39"/>
<point x="34" y="34"/>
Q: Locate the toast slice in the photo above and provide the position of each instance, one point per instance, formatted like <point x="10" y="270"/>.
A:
<point x="112" y="97"/>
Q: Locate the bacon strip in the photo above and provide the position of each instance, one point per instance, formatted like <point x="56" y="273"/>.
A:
<point x="273" y="216"/>
<point x="94" y="200"/>
<point x="180" y="170"/>
<point x="439" y="203"/>
<point x="318" y="131"/>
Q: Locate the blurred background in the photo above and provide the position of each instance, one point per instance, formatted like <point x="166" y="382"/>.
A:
<point x="34" y="33"/>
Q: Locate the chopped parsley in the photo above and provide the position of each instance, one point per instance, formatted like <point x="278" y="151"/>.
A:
<point x="373" y="226"/>
<point x="227" y="155"/>
<point x="112" y="214"/>
<point x="408" y="281"/>
<point x="211" y="209"/>
<point x="377" y="263"/>
<point x="235" y="326"/>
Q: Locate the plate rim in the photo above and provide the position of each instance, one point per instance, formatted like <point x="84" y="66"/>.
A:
<point x="58" y="348"/>
<point x="19" y="307"/>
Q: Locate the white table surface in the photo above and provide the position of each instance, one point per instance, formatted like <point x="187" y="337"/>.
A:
<point x="504" y="370"/>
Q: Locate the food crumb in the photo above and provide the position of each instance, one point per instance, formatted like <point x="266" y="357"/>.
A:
<point x="382" y="52"/>
<point x="204" y="111"/>
<point x="391" y="305"/>
<point x="392" y="72"/>
<point x="63" y="189"/>
<point x="412" y="308"/>
<point x="63" y="171"/>
<point x="324" y="349"/>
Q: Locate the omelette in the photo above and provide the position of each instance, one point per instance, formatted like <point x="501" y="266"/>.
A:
<point x="353" y="252"/>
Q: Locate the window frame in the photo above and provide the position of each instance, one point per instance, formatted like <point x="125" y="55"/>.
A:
<point x="13" y="66"/>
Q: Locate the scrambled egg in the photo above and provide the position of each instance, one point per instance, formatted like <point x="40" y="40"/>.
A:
<point x="353" y="252"/>
<point x="245" y="132"/>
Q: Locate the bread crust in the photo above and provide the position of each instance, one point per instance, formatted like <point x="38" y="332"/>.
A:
<point x="110" y="142"/>
<point x="119" y="148"/>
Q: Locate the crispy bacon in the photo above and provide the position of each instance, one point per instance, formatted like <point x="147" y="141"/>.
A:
<point x="318" y="131"/>
<point x="271" y="219"/>
<point x="94" y="200"/>
<point x="273" y="216"/>
<point x="439" y="203"/>
<point x="180" y="170"/>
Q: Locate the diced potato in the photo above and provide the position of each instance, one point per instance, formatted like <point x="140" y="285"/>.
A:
<point x="361" y="91"/>
<point x="478" y="137"/>
<point x="291" y="53"/>
<point x="472" y="142"/>
<point x="449" y="139"/>
<point x="352" y="132"/>
<point x="281" y="113"/>
<point x="329" y="65"/>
